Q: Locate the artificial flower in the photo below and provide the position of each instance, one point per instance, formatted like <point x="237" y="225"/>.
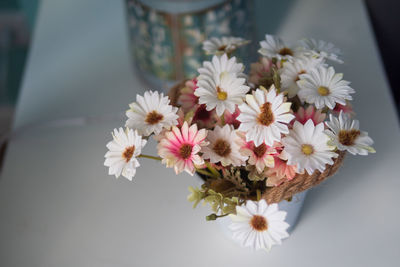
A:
<point x="259" y="225"/>
<point x="345" y="135"/>
<point x="261" y="72"/>
<point x="196" y="196"/>
<point x="219" y="46"/>
<point x="223" y="147"/>
<point x="221" y="84"/>
<point x="280" y="172"/>
<point x="348" y="109"/>
<point x="219" y="65"/>
<point x="322" y="49"/>
<point x="184" y="117"/>
<point x="181" y="121"/>
<point x="187" y="99"/>
<point x="151" y="113"/>
<point x="203" y="117"/>
<point x="274" y="47"/>
<point x="291" y="71"/>
<point x="260" y="156"/>
<point x="316" y="115"/>
<point x="307" y="146"/>
<point x="254" y="175"/>
<point x="264" y="116"/>
<point x="180" y="147"/>
<point x="231" y="118"/>
<point x="322" y="87"/>
<point x="274" y="180"/>
<point x="124" y="149"/>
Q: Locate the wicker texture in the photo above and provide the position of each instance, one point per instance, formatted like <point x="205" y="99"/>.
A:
<point x="301" y="182"/>
<point x="287" y="189"/>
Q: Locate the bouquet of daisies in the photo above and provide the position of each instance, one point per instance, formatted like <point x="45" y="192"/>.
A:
<point x="255" y="139"/>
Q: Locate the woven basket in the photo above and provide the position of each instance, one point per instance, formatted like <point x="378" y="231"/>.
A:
<point x="287" y="189"/>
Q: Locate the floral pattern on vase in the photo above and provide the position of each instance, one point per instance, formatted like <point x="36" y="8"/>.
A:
<point x="168" y="47"/>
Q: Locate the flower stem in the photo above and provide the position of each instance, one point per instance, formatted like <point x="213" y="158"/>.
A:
<point x="149" y="157"/>
<point x="277" y="79"/>
<point x="204" y="172"/>
<point x="212" y="169"/>
<point x="213" y="216"/>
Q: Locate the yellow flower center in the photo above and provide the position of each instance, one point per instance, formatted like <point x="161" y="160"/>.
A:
<point x="185" y="151"/>
<point x="307" y="149"/>
<point x="266" y="117"/>
<point x="221" y="95"/>
<point x="323" y="91"/>
<point x="259" y="223"/>
<point x="128" y="153"/>
<point x="153" y="117"/>
<point x="348" y="137"/>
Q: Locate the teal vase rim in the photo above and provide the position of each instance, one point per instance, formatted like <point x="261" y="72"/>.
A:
<point x="180" y="6"/>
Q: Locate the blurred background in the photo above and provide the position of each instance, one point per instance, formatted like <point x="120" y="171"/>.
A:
<point x="16" y="26"/>
<point x="66" y="62"/>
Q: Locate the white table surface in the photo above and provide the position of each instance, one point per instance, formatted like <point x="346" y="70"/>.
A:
<point x="58" y="206"/>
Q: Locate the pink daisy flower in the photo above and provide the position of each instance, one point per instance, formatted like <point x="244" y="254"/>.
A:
<point x="274" y="180"/>
<point x="260" y="156"/>
<point x="187" y="99"/>
<point x="180" y="147"/>
<point x="231" y="118"/>
<point x="261" y="71"/>
<point x="303" y="115"/>
<point x="280" y="172"/>
<point x="348" y="109"/>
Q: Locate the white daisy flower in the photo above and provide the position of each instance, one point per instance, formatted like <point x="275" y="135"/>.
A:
<point x="221" y="64"/>
<point x="274" y="47"/>
<point x="123" y="150"/>
<point x="264" y="116"/>
<point x="151" y="113"/>
<point x="291" y="71"/>
<point x="322" y="49"/>
<point x="221" y="84"/>
<point x="259" y="225"/>
<point x="223" y="147"/>
<point x="219" y="46"/>
<point x="345" y="135"/>
<point x="322" y="87"/>
<point x="307" y="146"/>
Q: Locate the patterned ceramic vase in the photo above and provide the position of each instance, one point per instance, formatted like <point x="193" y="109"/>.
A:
<point x="167" y="35"/>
